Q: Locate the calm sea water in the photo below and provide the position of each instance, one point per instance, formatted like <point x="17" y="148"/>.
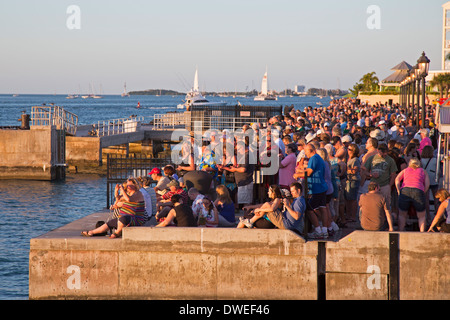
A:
<point x="32" y="208"/>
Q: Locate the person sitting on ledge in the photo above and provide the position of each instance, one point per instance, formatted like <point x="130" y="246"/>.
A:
<point x="259" y="210"/>
<point x="442" y="219"/>
<point x="165" y="204"/>
<point x="292" y="217"/>
<point x="374" y="214"/>
<point x="180" y="215"/>
<point x="131" y="213"/>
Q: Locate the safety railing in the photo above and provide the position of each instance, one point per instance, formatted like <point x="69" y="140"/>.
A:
<point x="118" y="126"/>
<point x="120" y="168"/>
<point x="54" y="116"/>
<point x="171" y="120"/>
<point x="186" y="121"/>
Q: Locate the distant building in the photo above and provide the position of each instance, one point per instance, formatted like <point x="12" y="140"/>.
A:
<point x="445" y="64"/>
<point x="446" y="36"/>
<point x="299" y="89"/>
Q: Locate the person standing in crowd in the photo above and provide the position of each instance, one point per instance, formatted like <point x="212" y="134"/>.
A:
<point x="402" y="136"/>
<point x="371" y="150"/>
<point x="243" y="174"/>
<point x="287" y="167"/>
<point x="382" y="169"/>
<point x="429" y="164"/>
<point x="353" y="182"/>
<point x="412" y="184"/>
<point x="317" y="188"/>
<point x="424" y="140"/>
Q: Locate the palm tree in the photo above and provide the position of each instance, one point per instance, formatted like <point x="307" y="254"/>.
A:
<point x="442" y="81"/>
<point x="370" y="81"/>
<point x="356" y="89"/>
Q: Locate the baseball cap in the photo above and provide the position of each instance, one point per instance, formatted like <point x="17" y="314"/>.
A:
<point x="347" y="138"/>
<point x="155" y="171"/>
<point x="173" y="183"/>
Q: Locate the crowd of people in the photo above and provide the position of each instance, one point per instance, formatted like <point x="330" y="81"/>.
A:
<point x="347" y="165"/>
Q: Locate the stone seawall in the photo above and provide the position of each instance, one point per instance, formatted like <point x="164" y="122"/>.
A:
<point x="229" y="263"/>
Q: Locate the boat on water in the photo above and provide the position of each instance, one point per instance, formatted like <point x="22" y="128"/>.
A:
<point x="125" y="93"/>
<point x="72" y="96"/>
<point x="195" y="98"/>
<point x="265" y="95"/>
<point x="91" y="95"/>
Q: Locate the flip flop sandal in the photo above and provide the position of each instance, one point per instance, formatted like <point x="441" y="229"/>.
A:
<point x="86" y="234"/>
<point x="115" y="236"/>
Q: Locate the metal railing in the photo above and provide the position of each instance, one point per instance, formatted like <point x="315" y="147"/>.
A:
<point x="222" y="123"/>
<point x="118" y="126"/>
<point x="55" y="116"/>
<point x="120" y="168"/>
<point x="171" y="120"/>
<point x="182" y="120"/>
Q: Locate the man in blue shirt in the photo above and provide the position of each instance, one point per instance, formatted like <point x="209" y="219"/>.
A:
<point x="316" y="205"/>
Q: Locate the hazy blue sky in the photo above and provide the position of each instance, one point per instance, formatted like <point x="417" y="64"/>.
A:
<point x="158" y="44"/>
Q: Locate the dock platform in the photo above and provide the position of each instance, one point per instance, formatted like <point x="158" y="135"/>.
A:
<point x="227" y="263"/>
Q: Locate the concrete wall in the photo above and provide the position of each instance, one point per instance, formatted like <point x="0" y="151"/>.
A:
<point x="83" y="150"/>
<point x="384" y="99"/>
<point x="228" y="263"/>
<point x="381" y="98"/>
<point x="29" y="154"/>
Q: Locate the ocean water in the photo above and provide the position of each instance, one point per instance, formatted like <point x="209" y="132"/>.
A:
<point x="32" y="208"/>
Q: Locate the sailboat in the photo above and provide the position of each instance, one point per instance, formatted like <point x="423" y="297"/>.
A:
<point x="98" y="96"/>
<point x="195" y="98"/>
<point x="125" y="93"/>
<point x="264" y="95"/>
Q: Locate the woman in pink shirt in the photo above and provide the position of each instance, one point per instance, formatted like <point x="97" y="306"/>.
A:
<point x="287" y="167"/>
<point x="412" y="185"/>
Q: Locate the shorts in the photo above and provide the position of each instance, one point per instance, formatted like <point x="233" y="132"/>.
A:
<point x="316" y="201"/>
<point x="329" y="197"/>
<point x="411" y="196"/>
<point x="125" y="219"/>
<point x="245" y="194"/>
<point x="444" y="227"/>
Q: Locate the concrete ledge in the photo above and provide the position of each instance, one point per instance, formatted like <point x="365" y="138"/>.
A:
<point x="229" y="263"/>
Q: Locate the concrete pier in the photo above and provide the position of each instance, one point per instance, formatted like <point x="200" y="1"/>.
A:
<point x="239" y="264"/>
<point x="36" y="154"/>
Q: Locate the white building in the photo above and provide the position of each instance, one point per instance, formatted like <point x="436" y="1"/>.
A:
<point x="445" y="64"/>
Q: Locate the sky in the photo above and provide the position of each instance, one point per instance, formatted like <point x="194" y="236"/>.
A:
<point x="159" y="44"/>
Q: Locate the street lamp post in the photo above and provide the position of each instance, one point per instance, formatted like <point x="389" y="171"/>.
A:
<point x="408" y="90"/>
<point x="418" y="78"/>
<point x="423" y="65"/>
<point x="413" y="90"/>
